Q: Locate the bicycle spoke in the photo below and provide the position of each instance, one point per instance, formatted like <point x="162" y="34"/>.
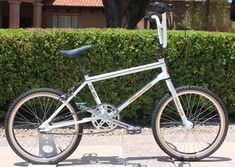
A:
<point x="33" y="112"/>
<point x="183" y="103"/>
<point x="191" y="111"/>
<point x="196" y="118"/>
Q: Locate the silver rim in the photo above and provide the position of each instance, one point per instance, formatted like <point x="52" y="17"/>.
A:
<point x="27" y="116"/>
<point x="209" y="124"/>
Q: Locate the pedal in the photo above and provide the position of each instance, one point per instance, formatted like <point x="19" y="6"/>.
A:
<point x="134" y="130"/>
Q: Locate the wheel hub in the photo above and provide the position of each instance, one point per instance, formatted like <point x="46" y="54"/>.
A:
<point x="188" y="124"/>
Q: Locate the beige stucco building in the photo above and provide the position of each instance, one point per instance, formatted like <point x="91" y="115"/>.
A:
<point x="90" y="13"/>
<point x="52" y="14"/>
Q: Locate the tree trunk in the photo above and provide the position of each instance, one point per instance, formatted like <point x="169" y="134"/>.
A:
<point x="114" y="12"/>
<point x="207" y="15"/>
<point x="136" y="12"/>
<point x="130" y="11"/>
<point x="232" y="15"/>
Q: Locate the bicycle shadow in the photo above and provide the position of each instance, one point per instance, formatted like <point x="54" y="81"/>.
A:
<point x="112" y="160"/>
<point x="209" y="159"/>
<point x="94" y="159"/>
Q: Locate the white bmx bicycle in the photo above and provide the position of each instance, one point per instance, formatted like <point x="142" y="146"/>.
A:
<point x="189" y="123"/>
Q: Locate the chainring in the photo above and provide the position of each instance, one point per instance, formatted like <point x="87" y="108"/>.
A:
<point x="109" y="111"/>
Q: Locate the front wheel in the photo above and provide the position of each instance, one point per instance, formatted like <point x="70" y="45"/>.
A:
<point x="23" y="119"/>
<point x="210" y="124"/>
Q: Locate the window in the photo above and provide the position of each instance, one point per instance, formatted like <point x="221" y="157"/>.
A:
<point x="63" y="21"/>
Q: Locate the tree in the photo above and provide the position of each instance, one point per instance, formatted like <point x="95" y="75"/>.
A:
<point x="211" y="15"/>
<point x="124" y="13"/>
<point x="232" y="15"/>
<point x="208" y="2"/>
<point x="136" y="11"/>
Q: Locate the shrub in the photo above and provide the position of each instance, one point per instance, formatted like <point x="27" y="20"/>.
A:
<point x="29" y="59"/>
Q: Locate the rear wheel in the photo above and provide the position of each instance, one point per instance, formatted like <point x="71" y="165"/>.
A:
<point x="207" y="113"/>
<point x="24" y="117"/>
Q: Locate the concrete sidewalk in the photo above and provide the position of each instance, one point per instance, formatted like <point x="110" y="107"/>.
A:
<point x="124" y="150"/>
<point x="95" y="156"/>
<point x="224" y="157"/>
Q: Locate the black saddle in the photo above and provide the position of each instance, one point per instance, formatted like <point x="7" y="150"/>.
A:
<point x="76" y="52"/>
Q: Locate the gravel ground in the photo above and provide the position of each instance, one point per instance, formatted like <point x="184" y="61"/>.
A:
<point x="231" y="134"/>
<point x="145" y="131"/>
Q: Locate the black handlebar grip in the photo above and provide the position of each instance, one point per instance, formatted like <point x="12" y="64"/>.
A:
<point x="158" y="7"/>
<point x="148" y="17"/>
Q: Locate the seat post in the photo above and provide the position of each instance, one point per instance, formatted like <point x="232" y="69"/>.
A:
<point x="82" y="66"/>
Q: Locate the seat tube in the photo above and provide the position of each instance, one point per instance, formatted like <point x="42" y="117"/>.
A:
<point x="93" y="91"/>
<point x="177" y="101"/>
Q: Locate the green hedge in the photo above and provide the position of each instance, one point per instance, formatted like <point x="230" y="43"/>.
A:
<point x="29" y="59"/>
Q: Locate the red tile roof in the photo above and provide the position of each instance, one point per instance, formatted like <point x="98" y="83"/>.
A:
<point x="77" y="3"/>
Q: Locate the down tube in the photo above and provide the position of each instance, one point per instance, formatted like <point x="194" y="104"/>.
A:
<point x="141" y="91"/>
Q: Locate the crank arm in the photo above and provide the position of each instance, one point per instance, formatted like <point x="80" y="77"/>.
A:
<point x="120" y="123"/>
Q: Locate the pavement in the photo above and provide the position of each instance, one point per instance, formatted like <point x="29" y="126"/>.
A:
<point x="125" y="151"/>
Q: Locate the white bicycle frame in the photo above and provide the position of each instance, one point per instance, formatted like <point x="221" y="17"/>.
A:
<point x="162" y="32"/>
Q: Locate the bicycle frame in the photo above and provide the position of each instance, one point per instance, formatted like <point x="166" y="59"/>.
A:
<point x="89" y="81"/>
<point x="162" y="32"/>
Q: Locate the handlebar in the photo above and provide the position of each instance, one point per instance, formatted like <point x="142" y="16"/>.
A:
<point x="161" y="26"/>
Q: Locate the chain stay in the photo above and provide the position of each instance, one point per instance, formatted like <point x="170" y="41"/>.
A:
<point x="77" y="133"/>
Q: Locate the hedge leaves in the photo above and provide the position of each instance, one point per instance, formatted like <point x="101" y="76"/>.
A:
<point x="29" y="59"/>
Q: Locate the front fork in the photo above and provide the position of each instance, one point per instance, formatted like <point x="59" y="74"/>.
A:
<point x="188" y="124"/>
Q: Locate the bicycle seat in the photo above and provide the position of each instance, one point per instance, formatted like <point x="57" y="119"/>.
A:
<point x="76" y="52"/>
